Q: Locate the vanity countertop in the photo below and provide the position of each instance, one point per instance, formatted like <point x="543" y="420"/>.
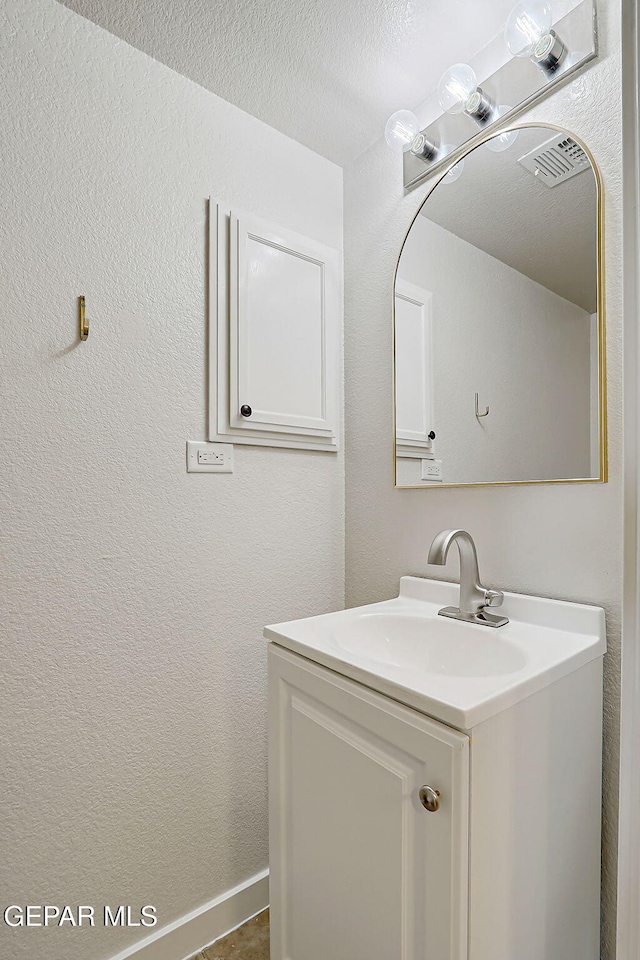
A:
<point x="457" y="672"/>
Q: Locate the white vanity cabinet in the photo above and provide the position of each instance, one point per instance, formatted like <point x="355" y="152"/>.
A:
<point x="506" y="868"/>
<point x="354" y="852"/>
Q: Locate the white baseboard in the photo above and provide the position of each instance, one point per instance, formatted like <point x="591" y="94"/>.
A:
<point x="202" y="927"/>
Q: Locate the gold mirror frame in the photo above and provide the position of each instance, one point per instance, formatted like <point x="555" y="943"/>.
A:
<point x="602" y="359"/>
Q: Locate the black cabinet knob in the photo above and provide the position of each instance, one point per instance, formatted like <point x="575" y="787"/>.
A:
<point x="246" y="410"/>
<point x="431" y="434"/>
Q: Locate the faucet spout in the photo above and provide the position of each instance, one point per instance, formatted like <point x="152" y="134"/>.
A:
<point x="473" y="596"/>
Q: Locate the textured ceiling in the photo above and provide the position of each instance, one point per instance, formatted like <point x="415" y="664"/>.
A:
<point x="326" y="73"/>
<point x="547" y="233"/>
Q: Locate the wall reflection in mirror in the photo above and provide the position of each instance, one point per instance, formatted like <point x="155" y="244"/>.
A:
<point x="498" y="374"/>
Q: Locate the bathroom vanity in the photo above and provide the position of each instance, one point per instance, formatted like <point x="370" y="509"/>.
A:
<point x="435" y="785"/>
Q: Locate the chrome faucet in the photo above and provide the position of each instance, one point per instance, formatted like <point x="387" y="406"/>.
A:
<point x="474" y="598"/>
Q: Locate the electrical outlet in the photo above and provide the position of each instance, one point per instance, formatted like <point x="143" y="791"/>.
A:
<point x="432" y="470"/>
<point x="209" y="457"/>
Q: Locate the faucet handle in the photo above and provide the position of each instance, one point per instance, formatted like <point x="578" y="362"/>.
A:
<point x="493" y="598"/>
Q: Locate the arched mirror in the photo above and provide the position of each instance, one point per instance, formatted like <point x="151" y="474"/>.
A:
<point x="498" y="320"/>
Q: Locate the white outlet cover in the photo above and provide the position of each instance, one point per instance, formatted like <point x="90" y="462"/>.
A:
<point x="432" y="470"/>
<point x="205" y="457"/>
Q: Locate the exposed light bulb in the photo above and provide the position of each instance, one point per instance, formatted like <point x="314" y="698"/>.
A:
<point x="400" y="130"/>
<point x="528" y="23"/>
<point x="456" y="86"/>
<point x="458" y="92"/>
<point x="528" y="33"/>
<point x="456" y="170"/>
<point x="504" y="140"/>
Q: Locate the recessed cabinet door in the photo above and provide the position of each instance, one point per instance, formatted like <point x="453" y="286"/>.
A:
<point x="360" y="870"/>
<point x="284" y="314"/>
<point x="414" y="370"/>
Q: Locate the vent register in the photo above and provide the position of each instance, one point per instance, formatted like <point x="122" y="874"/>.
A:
<point x="556" y="160"/>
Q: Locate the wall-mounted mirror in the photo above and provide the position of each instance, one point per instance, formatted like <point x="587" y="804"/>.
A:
<point x="498" y="320"/>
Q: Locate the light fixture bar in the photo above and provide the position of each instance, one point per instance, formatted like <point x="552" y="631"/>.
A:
<point x="520" y="83"/>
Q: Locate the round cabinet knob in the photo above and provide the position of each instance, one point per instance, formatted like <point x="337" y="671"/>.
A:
<point x="246" y="410"/>
<point x="431" y="434"/>
<point x="429" y="798"/>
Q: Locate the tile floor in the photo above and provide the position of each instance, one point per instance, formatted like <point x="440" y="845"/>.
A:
<point x="249" y="942"/>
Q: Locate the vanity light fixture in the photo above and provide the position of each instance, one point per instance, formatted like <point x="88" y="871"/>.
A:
<point x="400" y="130"/>
<point x="558" y="44"/>
<point x="528" y="33"/>
<point x="458" y="92"/>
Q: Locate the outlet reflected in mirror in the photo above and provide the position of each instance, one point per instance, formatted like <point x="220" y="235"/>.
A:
<point x="498" y="321"/>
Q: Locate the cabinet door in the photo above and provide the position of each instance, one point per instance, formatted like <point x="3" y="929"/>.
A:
<point x="413" y="370"/>
<point x="360" y="870"/>
<point x="275" y="335"/>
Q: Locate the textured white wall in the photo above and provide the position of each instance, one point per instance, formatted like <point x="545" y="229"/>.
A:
<point x="561" y="541"/>
<point x="523" y="348"/>
<point x="133" y="595"/>
<point x="335" y="70"/>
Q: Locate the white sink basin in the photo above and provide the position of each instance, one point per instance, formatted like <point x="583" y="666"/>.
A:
<point x="458" y="672"/>
<point x="439" y="647"/>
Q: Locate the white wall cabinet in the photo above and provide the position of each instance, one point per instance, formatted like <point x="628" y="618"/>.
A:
<point x="275" y="345"/>
<point x="507" y="867"/>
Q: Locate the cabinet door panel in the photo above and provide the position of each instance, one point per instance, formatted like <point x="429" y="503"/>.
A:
<point x="283" y="330"/>
<point x="359" y="869"/>
<point x="414" y="366"/>
<point x="281" y="336"/>
<point x="275" y="355"/>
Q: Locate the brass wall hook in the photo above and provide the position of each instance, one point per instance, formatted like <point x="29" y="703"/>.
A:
<point x="478" y="414"/>
<point x="82" y="320"/>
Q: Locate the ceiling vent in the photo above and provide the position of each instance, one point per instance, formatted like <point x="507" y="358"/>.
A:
<point x="556" y="160"/>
